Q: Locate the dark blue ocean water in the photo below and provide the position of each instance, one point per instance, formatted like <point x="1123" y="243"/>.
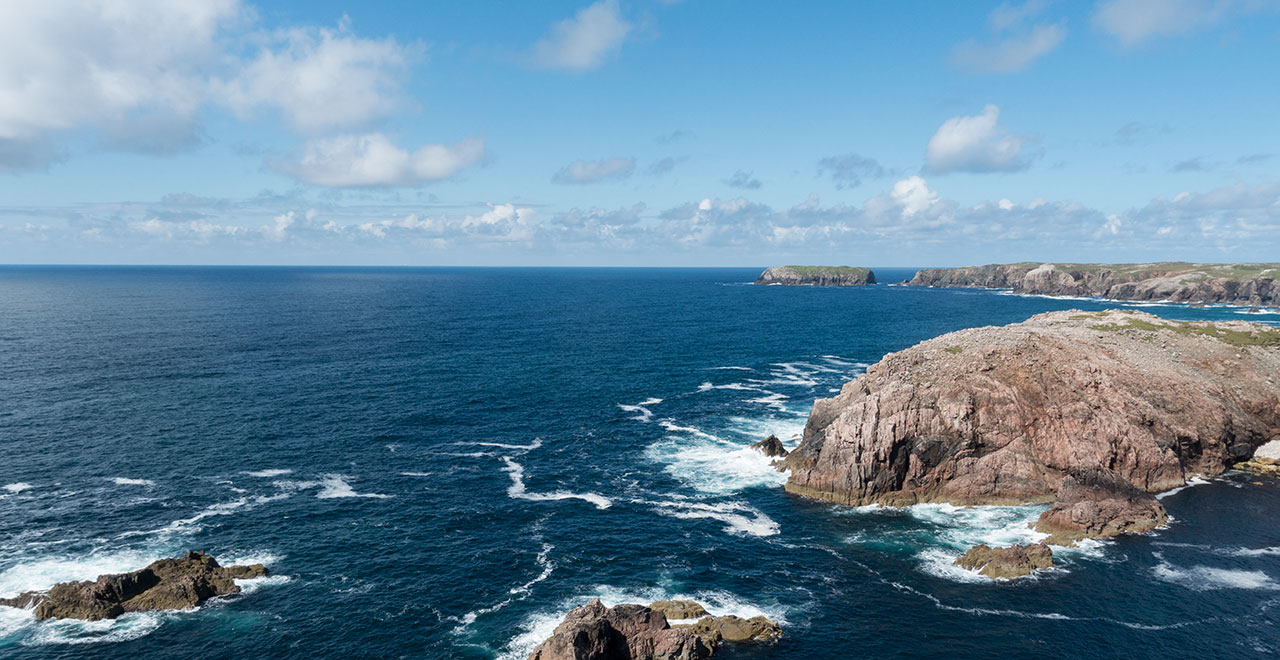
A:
<point x="437" y="463"/>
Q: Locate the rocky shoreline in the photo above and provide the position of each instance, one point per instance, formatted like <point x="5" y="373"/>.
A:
<point x="1251" y="284"/>
<point x="1092" y="412"/>
<point x="817" y="276"/>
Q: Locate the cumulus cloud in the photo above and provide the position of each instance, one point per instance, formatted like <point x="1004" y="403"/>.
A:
<point x="1132" y="22"/>
<point x="976" y="144"/>
<point x="138" y="74"/>
<point x="743" y="179"/>
<point x="1016" y="42"/>
<point x="374" y="160"/>
<point x="848" y="170"/>
<point x="592" y="171"/>
<point x="585" y="41"/>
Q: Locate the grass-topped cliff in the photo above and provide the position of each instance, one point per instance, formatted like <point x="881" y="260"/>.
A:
<point x="1177" y="281"/>
<point x="817" y="275"/>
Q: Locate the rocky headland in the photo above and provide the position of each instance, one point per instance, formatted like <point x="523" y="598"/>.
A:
<point x="638" y="632"/>
<point x="1239" y="284"/>
<point x="817" y="276"/>
<point x="1093" y="412"/>
<point x="168" y="584"/>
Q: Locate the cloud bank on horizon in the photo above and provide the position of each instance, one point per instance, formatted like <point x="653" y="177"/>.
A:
<point x="638" y="132"/>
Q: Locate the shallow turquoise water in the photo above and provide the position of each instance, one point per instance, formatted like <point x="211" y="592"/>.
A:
<point x="439" y="462"/>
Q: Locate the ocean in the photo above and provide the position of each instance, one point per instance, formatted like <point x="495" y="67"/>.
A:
<point x="439" y="463"/>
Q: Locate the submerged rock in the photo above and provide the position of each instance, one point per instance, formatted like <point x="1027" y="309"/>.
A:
<point x="817" y="276"/>
<point x="1011" y="562"/>
<point x="636" y="632"/>
<point x="1098" y="503"/>
<point x="1001" y="415"/>
<point x="167" y="584"/>
<point x="771" y="447"/>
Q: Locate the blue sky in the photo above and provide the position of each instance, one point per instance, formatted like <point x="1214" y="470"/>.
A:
<point x="639" y="132"/>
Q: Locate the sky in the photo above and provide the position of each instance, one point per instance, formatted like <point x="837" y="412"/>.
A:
<point x="639" y="132"/>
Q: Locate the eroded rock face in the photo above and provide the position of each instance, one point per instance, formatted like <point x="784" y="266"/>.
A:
<point x="771" y="447"/>
<point x="1099" y="503"/>
<point x="817" y="276"/>
<point x="1000" y="415"/>
<point x="1011" y="562"/>
<point x="167" y="584"/>
<point x="1243" y="284"/>
<point x="636" y="632"/>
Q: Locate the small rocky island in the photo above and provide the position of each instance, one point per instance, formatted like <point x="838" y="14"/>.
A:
<point x="1093" y="412"/>
<point x="168" y="584"/>
<point x="817" y="276"/>
<point x="1239" y="284"/>
<point x="639" y="632"/>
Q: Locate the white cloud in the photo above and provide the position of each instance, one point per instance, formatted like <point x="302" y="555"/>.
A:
<point x="1132" y="22"/>
<point x="320" y="79"/>
<point x="1012" y="53"/>
<point x="585" y="41"/>
<point x="591" y="171"/>
<point x="914" y="195"/>
<point x="373" y="160"/>
<point x="976" y="144"/>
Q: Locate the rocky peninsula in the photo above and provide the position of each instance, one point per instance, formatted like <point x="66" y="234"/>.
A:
<point x="1240" y="284"/>
<point x="1094" y="412"/>
<point x="639" y="632"/>
<point x="817" y="276"/>
<point x="168" y="584"/>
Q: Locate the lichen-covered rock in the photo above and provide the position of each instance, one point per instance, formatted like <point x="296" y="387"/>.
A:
<point x="771" y="447"/>
<point x="167" y="584"/>
<point x="817" y="276"/>
<point x="679" y="609"/>
<point x="1098" y="503"/>
<point x="1005" y="563"/>
<point x="635" y="632"/>
<point x="999" y="415"/>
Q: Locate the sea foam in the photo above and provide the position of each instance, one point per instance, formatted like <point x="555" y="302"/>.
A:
<point x="739" y="518"/>
<point x="517" y="489"/>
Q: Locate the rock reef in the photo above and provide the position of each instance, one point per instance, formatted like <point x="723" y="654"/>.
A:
<point x="1006" y="563"/>
<point x="817" y="276"/>
<point x="637" y="632"/>
<point x="167" y="584"/>
<point x="771" y="447"/>
<point x="1094" y="410"/>
<point x="1240" y="284"/>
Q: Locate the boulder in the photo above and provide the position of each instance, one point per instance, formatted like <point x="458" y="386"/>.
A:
<point x="1005" y="563"/>
<point x="679" y="609"/>
<point x="1099" y="503"/>
<point x="771" y="447"/>
<point x="168" y="584"/>
<point x="732" y="628"/>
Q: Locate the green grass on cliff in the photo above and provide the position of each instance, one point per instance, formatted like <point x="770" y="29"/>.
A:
<point x="1228" y="336"/>
<point x="812" y="271"/>
<point x="1239" y="272"/>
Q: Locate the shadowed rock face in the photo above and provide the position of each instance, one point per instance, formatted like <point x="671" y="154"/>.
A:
<point x="771" y="447"/>
<point x="817" y="276"/>
<point x="636" y="632"/>
<point x="999" y="415"/>
<point x="1243" y="284"/>
<point x="167" y="584"/>
<point x="1011" y="562"/>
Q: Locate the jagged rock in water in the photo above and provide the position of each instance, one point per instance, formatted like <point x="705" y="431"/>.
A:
<point x="1000" y="415"/>
<point x="817" y="276"/>
<point x="636" y="632"/>
<point x="1242" y="284"/>
<point x="1011" y="562"/>
<point x="771" y="447"/>
<point x="167" y="584"/>
<point x="679" y="609"/>
<point x="1098" y="503"/>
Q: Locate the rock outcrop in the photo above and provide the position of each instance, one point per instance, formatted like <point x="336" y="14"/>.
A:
<point x="817" y="276"/>
<point x="167" y="584"/>
<point x="1001" y="415"/>
<point x="1006" y="563"/>
<point x="636" y="632"/>
<point x="1265" y="461"/>
<point x="1241" y="284"/>
<point x="1096" y="503"/>
<point x="771" y="447"/>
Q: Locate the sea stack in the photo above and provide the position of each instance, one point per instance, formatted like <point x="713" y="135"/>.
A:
<point x="817" y="276"/>
<point x="1093" y="409"/>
